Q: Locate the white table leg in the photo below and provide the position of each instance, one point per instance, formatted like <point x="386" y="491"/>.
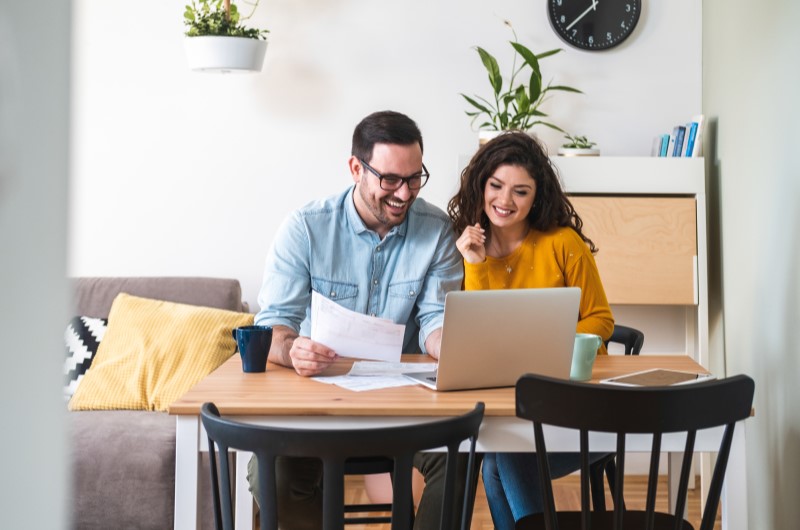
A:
<point x="187" y="461"/>
<point x="734" y="489"/>
<point x="244" y="500"/>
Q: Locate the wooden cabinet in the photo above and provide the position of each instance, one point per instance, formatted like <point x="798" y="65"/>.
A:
<point x="648" y="218"/>
<point x="648" y="247"/>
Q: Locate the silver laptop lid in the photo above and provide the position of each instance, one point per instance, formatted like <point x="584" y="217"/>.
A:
<point x="490" y="338"/>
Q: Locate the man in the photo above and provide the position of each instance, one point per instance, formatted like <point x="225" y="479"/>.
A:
<point x="376" y="249"/>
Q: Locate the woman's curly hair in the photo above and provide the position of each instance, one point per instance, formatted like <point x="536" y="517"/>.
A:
<point x="551" y="207"/>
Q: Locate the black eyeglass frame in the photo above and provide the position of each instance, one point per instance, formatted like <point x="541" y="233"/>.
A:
<point x="423" y="177"/>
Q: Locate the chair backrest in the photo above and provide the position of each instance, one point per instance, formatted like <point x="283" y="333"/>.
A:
<point x="631" y="338"/>
<point x="334" y="446"/>
<point x="653" y="410"/>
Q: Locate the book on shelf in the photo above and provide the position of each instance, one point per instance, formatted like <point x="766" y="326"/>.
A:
<point x="686" y="140"/>
<point x="691" y="135"/>
<point x="664" y="145"/>
<point x="678" y="133"/>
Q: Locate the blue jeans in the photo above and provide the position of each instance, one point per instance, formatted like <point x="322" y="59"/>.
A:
<point x="511" y="481"/>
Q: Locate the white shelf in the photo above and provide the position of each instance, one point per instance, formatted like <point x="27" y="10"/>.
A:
<point x="632" y="175"/>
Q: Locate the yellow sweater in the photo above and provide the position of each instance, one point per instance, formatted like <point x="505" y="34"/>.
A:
<point x="558" y="258"/>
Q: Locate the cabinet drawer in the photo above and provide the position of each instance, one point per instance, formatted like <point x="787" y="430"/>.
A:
<point x="648" y="247"/>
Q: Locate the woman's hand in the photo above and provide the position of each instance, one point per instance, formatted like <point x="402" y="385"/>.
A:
<point x="471" y="244"/>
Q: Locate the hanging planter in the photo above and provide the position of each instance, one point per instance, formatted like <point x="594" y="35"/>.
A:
<point x="225" y="54"/>
<point x="216" y="42"/>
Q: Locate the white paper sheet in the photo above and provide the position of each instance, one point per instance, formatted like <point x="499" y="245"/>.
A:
<point x="371" y="375"/>
<point x="352" y="334"/>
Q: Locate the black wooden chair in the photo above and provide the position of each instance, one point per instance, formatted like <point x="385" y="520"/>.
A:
<point x="334" y="447"/>
<point x="635" y="410"/>
<point x="633" y="340"/>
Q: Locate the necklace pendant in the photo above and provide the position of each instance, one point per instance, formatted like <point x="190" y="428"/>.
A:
<point x="508" y="269"/>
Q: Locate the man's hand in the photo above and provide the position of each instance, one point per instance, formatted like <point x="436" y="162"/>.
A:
<point x="301" y="353"/>
<point x="433" y="344"/>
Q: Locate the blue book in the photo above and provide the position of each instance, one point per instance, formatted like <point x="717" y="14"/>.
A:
<point x="664" y="144"/>
<point x="691" y="136"/>
<point x="679" y="132"/>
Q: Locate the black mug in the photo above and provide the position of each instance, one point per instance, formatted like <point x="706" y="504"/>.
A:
<point x="253" y="343"/>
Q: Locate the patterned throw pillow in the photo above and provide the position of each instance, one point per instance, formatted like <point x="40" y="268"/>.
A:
<point x="82" y="338"/>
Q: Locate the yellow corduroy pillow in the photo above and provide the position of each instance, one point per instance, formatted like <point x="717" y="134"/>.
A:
<point x="153" y="352"/>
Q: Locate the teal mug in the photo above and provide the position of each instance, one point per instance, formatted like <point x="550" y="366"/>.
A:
<point x="253" y="343"/>
<point x="583" y="355"/>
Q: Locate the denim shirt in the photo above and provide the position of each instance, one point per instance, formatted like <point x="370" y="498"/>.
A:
<point x="326" y="247"/>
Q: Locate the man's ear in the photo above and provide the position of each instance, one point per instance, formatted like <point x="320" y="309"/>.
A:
<point x="356" y="169"/>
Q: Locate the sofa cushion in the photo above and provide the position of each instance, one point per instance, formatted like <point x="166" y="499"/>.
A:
<point x="81" y="338"/>
<point x="123" y="469"/>
<point x="153" y="352"/>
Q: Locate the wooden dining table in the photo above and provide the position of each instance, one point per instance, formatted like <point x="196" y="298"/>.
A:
<point x="280" y="397"/>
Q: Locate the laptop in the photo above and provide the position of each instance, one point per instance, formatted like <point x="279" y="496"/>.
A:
<point x="490" y="338"/>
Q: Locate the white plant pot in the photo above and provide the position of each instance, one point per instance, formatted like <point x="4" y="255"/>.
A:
<point x="485" y="136"/>
<point x="225" y="54"/>
<point x="574" y="151"/>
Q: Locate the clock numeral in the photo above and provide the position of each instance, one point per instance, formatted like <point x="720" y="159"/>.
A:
<point x="608" y="36"/>
<point x="591" y="39"/>
<point x="559" y="2"/>
<point x="563" y="19"/>
<point x="627" y="7"/>
<point x="622" y="25"/>
<point x="574" y="32"/>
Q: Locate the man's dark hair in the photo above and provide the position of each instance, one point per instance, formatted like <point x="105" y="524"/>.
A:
<point x="384" y="127"/>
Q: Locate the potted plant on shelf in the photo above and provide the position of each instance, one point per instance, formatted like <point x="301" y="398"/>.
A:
<point x="517" y="105"/>
<point x="578" y="146"/>
<point x="216" y="41"/>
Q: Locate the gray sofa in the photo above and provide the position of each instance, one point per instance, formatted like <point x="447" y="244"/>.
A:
<point x="123" y="461"/>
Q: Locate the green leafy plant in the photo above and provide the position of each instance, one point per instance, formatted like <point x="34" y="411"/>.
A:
<point x="219" y="18"/>
<point x="518" y="106"/>
<point x="577" y="142"/>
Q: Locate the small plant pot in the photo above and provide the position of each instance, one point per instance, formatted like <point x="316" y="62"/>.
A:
<point x="225" y="54"/>
<point x="485" y="136"/>
<point x="577" y="151"/>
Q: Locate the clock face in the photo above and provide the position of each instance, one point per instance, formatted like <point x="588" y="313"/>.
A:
<point x="594" y="24"/>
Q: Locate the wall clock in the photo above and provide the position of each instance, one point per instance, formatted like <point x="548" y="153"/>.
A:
<point x="594" y="25"/>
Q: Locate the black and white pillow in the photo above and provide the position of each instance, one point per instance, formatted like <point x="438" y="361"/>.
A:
<point x="82" y="337"/>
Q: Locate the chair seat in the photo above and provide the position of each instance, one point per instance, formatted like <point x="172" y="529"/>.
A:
<point x="631" y="520"/>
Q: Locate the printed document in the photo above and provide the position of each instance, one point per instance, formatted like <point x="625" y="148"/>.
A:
<point x="352" y="334"/>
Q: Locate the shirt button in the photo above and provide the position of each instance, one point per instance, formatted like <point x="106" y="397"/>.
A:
<point x="377" y="249"/>
<point x="333" y="294"/>
<point x="375" y="282"/>
<point x="410" y="293"/>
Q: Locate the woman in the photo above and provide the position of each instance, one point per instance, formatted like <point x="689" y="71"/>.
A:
<point x="517" y="229"/>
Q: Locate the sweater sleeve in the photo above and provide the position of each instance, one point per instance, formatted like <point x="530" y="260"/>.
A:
<point x="595" y="312"/>
<point x="476" y="276"/>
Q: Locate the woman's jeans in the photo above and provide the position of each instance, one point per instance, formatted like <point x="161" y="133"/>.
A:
<point x="511" y="481"/>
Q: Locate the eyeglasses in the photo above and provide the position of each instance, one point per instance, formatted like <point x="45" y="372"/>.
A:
<point x="394" y="183"/>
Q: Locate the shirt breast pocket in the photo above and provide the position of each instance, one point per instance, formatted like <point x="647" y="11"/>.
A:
<point x="402" y="298"/>
<point x="408" y="290"/>
<point x="344" y="294"/>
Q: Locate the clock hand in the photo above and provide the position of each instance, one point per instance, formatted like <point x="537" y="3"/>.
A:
<point x="592" y="7"/>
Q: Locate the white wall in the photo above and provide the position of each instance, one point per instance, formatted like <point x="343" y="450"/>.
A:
<point x="750" y="89"/>
<point x="180" y="173"/>
<point x="34" y="102"/>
